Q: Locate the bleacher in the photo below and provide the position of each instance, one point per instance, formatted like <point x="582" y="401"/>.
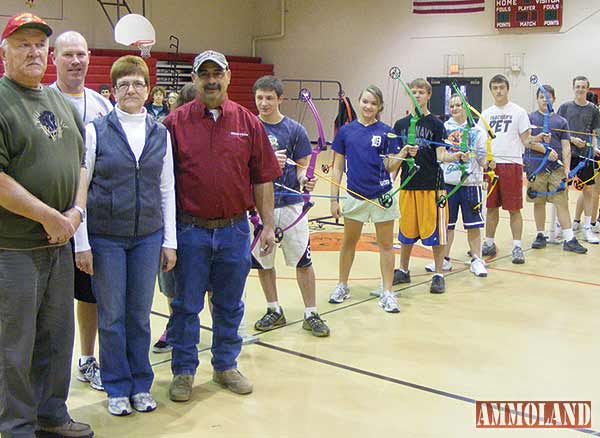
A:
<point x="244" y="71"/>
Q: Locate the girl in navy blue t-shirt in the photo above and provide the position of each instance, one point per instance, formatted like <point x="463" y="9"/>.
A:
<point x="359" y="147"/>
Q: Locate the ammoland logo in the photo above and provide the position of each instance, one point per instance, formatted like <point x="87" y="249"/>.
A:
<point x="533" y="414"/>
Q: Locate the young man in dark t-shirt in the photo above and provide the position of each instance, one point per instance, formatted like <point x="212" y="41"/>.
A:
<point x="583" y="116"/>
<point x="549" y="184"/>
<point x="420" y="215"/>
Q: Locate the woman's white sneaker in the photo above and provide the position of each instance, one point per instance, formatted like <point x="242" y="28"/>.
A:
<point x="143" y="402"/>
<point x="119" y="406"/>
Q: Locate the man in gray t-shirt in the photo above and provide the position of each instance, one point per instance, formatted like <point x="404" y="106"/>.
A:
<point x="71" y="57"/>
<point x="583" y="117"/>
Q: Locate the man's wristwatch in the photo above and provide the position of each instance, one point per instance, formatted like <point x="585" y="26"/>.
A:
<point x="81" y="211"/>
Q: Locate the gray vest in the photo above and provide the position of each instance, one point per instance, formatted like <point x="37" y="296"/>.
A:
<point x="124" y="196"/>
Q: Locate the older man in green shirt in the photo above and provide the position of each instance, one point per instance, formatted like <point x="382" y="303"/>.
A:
<point x="41" y="155"/>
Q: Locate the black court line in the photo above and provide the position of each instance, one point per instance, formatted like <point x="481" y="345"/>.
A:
<point x="200" y="350"/>
<point x="366" y="300"/>
<point x="391" y="379"/>
<point x="356" y="303"/>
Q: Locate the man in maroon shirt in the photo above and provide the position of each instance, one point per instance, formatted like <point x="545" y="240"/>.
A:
<point x="224" y="165"/>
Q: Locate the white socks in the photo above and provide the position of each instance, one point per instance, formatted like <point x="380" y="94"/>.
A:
<point x="274" y="306"/>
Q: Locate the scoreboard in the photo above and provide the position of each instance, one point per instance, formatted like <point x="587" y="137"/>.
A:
<point x="528" y="13"/>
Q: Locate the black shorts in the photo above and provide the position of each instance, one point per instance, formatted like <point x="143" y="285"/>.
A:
<point x="587" y="172"/>
<point x="83" y="284"/>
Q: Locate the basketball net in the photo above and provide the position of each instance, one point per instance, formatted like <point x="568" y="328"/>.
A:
<point x="145" y="46"/>
<point x="30" y="3"/>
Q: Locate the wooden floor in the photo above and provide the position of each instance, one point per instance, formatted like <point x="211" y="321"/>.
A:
<point x="526" y="332"/>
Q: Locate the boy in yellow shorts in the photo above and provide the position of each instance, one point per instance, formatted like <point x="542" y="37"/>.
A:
<point x="421" y="215"/>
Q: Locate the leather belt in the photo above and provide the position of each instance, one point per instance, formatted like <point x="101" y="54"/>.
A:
<point x="211" y="224"/>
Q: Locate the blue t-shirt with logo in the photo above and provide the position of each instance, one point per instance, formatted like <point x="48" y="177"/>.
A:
<point x="362" y="146"/>
<point x="290" y="136"/>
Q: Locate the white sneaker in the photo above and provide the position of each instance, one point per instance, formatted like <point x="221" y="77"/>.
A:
<point x="555" y="237"/>
<point x="596" y="227"/>
<point x="590" y="237"/>
<point x="90" y="372"/>
<point x="576" y="225"/>
<point x="119" y="406"/>
<point x="478" y="267"/>
<point x="377" y="292"/>
<point x="339" y="294"/>
<point x="446" y="266"/>
<point x="143" y="402"/>
<point x="389" y="303"/>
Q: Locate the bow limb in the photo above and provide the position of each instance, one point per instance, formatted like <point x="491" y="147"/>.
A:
<point x="546" y="128"/>
<point x="310" y="169"/>
<point x="489" y="157"/>
<point x="321" y="141"/>
<point x="411" y="138"/>
<point x="258" y="227"/>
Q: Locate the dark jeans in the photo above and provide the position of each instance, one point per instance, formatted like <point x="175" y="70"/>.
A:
<point x="219" y="258"/>
<point x="36" y="338"/>
<point x="123" y="281"/>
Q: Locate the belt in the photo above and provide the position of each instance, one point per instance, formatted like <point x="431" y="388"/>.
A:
<point x="211" y="224"/>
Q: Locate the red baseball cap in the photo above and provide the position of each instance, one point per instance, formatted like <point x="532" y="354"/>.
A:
<point x="25" y="20"/>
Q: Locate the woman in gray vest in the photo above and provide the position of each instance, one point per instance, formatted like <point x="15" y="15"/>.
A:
<point x="131" y="226"/>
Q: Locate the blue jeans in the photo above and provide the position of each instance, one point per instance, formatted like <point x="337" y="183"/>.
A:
<point x="219" y="258"/>
<point x="123" y="282"/>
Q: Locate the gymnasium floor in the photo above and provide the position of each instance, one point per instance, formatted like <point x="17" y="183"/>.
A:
<point x="526" y="332"/>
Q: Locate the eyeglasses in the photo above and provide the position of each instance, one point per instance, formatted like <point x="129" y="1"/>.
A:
<point x="206" y="75"/>
<point x="138" y="86"/>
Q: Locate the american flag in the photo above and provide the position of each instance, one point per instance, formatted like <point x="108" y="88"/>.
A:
<point x="447" y="6"/>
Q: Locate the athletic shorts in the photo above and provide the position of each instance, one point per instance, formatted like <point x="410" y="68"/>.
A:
<point x="548" y="182"/>
<point x="508" y="193"/>
<point x="295" y="243"/>
<point x="364" y="211"/>
<point x="83" y="283"/>
<point x="422" y="218"/>
<point x="586" y="173"/>
<point x="467" y="199"/>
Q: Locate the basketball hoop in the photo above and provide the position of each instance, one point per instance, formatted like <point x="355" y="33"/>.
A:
<point x="145" y="46"/>
<point x="135" y="30"/>
<point x="30" y="3"/>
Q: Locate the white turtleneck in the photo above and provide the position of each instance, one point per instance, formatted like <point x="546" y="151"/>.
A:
<point x="134" y="126"/>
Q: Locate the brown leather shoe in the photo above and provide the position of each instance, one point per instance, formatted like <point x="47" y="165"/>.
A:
<point x="233" y="380"/>
<point x="71" y="429"/>
<point x="181" y="387"/>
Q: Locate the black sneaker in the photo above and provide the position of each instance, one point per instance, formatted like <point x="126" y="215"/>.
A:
<point x="574" y="246"/>
<point x="438" y="285"/>
<point x="270" y="320"/>
<point x="539" y="242"/>
<point x="401" y="277"/>
<point x="162" y="346"/>
<point x="316" y="325"/>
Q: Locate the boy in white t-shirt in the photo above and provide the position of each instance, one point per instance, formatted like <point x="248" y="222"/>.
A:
<point x="511" y="125"/>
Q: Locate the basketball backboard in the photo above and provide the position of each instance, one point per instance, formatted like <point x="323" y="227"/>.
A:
<point x="135" y="30"/>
